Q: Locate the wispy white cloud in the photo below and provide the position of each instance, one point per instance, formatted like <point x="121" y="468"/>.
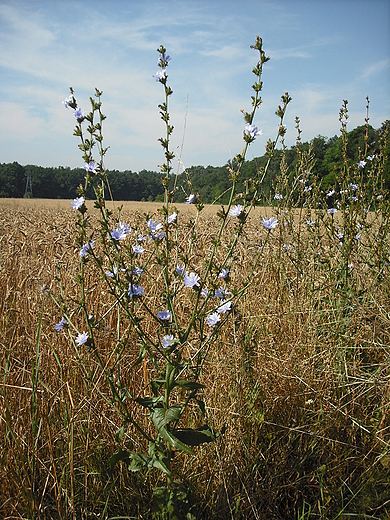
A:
<point x="375" y="68"/>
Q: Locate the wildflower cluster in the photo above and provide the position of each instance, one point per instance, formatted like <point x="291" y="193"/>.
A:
<point x="347" y="219"/>
<point x="124" y="254"/>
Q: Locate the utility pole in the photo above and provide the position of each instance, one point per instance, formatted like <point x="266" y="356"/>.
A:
<point x="28" y="194"/>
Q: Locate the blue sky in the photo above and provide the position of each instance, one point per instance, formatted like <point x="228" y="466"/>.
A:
<point x="322" y="51"/>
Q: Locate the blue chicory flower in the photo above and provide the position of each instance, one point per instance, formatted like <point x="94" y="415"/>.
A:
<point x="60" y="325"/>
<point x="168" y="341"/>
<point x="164" y="315"/>
<point x="81" y="339"/>
<point x="136" y="290"/>
<point x="252" y="131"/>
<point x="190" y="199"/>
<point x="270" y="223"/>
<point x="213" y="319"/>
<point x="86" y="247"/>
<point x="235" y="211"/>
<point x="191" y="280"/>
<point x="77" y="203"/>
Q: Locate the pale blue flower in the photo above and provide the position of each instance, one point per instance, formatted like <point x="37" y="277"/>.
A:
<point x="113" y="273"/>
<point x="154" y="226"/>
<point x="310" y="223"/>
<point x="340" y="236"/>
<point x="252" y="131"/>
<point x="164" y="315"/>
<point x="224" y="307"/>
<point x="353" y="187"/>
<point x="180" y="270"/>
<point x="67" y="102"/>
<point x="213" y="319"/>
<point x="222" y="293"/>
<point x="121" y="232"/>
<point x="330" y="193"/>
<point x="332" y="211"/>
<point x="125" y="228"/>
<point x="86" y="247"/>
<point x="191" y="280"/>
<point x="78" y="113"/>
<point x="172" y="218"/>
<point x="358" y="236"/>
<point x="77" y="203"/>
<point x="117" y="234"/>
<point x="81" y="339"/>
<point x="157" y="236"/>
<point x="270" y="223"/>
<point x="90" y="167"/>
<point x="190" y="199"/>
<point x="160" y="75"/>
<point x="379" y="197"/>
<point x="307" y="189"/>
<point x="287" y="246"/>
<point x="138" y="249"/>
<point x="137" y="271"/>
<point x="278" y="196"/>
<point x="136" y="290"/>
<point x="60" y="325"/>
<point x="235" y="211"/>
<point x="224" y="273"/>
<point x="370" y="157"/>
<point x="167" y="60"/>
<point x="361" y="164"/>
<point x="168" y="341"/>
<point x="204" y="292"/>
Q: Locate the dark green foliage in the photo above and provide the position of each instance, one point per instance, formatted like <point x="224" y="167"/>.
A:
<point x="12" y="180"/>
<point x="62" y="182"/>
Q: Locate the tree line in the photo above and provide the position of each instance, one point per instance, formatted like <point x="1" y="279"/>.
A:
<point x="62" y="182"/>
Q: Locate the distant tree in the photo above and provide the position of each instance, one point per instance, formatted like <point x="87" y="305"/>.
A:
<point x="12" y="180"/>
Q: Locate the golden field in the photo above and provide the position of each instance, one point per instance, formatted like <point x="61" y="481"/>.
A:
<point x="298" y="381"/>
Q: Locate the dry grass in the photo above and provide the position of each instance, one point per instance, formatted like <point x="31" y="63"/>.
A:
<point x="299" y="380"/>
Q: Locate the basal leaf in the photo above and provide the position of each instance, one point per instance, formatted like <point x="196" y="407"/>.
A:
<point x="197" y="436"/>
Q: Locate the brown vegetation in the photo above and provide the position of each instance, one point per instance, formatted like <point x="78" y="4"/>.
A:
<point x="298" y="382"/>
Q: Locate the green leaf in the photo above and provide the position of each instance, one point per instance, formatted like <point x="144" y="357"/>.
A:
<point x="156" y="384"/>
<point x="170" y="377"/>
<point x="159" y="464"/>
<point x="120" y="455"/>
<point x="161" y="418"/>
<point x="188" y="385"/>
<point x="138" y="462"/>
<point x="149" y="402"/>
<point x="119" y="434"/>
<point x="197" y="436"/>
<point x="202" y="407"/>
<point x="141" y="357"/>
